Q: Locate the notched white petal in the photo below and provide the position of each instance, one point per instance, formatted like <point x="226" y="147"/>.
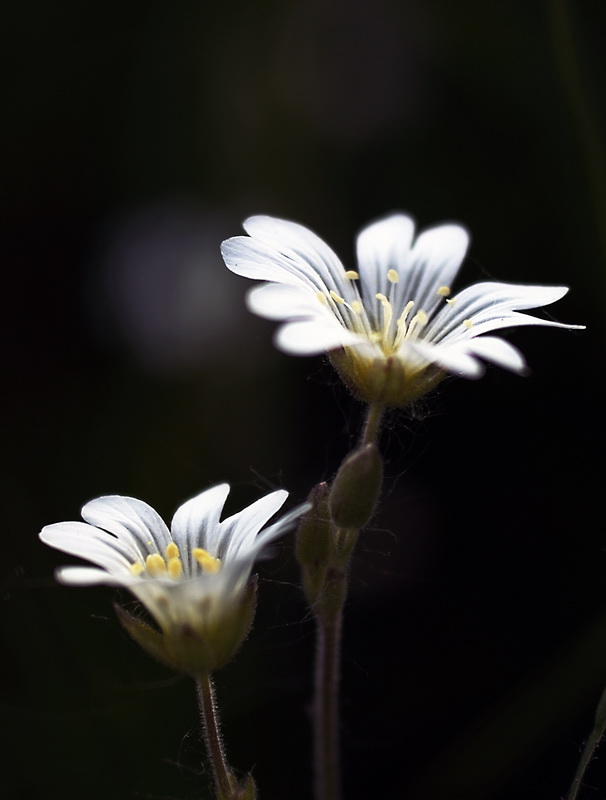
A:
<point x="279" y="302"/>
<point x="128" y="518"/>
<point x="311" y="337"/>
<point x="499" y="352"/>
<point x="382" y="246"/>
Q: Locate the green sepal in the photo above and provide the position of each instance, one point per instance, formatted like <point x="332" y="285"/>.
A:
<point x="145" y="636"/>
<point x="246" y="790"/>
<point x="199" y="646"/>
<point x="314" y="543"/>
<point x="356" y="487"/>
<point x="314" y="532"/>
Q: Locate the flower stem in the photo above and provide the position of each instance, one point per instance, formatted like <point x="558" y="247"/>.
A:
<point x="593" y="740"/>
<point x="372" y="423"/>
<point x="330" y="601"/>
<point x="326" y="711"/>
<point x="225" y="781"/>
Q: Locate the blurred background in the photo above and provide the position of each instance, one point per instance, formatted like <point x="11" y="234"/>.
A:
<point x="137" y="137"/>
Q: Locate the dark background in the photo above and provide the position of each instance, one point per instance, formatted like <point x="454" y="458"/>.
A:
<point x="138" y="136"/>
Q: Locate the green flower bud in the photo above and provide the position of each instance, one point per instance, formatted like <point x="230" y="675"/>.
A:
<point x="356" y="487"/>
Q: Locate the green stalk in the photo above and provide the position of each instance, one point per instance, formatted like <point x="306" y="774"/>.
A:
<point x="591" y="745"/>
<point x="326" y="716"/>
<point x="328" y="610"/>
<point x="225" y="781"/>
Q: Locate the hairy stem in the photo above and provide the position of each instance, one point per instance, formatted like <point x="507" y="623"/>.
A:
<point x="372" y="423"/>
<point x="591" y="745"/>
<point x="326" y="711"/>
<point x="225" y="782"/>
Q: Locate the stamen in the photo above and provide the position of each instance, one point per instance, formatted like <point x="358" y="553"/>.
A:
<point x="419" y="320"/>
<point x="136" y="568"/>
<point x="387" y="313"/>
<point x="155" y="564"/>
<point x="207" y="562"/>
<point x="175" y="567"/>
<point x="444" y="291"/>
<point x="468" y="323"/>
<point x="356" y="306"/>
<point x="352" y="275"/>
<point x="172" y="551"/>
<point x="392" y="276"/>
<point x="452" y="302"/>
<point x="401" y="323"/>
<point x="322" y="297"/>
<point x="337" y="298"/>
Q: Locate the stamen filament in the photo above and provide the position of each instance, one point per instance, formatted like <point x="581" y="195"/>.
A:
<point x="419" y="320"/>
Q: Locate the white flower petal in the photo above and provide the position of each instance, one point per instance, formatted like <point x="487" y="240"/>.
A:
<point x="497" y="351"/>
<point x="434" y="261"/>
<point x="84" y="541"/>
<point x="311" y="337"/>
<point x="279" y="301"/>
<point x="238" y="532"/>
<point x="382" y="246"/>
<point x="129" y="519"/>
<point x="252" y="259"/>
<point x="285" y="252"/>
<point x="450" y="358"/>
<point x="286" y="522"/>
<point x="511" y="319"/>
<point x="86" y="576"/>
<point x="299" y="243"/>
<point x="196" y="522"/>
<point x="484" y="302"/>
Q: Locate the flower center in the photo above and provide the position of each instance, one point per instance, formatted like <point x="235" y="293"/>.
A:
<point x="170" y="564"/>
<point x="379" y="323"/>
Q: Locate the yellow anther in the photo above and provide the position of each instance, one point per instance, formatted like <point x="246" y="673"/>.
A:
<point x="444" y="291"/>
<point x="468" y="323"/>
<point x="392" y="276"/>
<point x="451" y="302"/>
<point x="136" y="568"/>
<point x="172" y="551"/>
<point x="322" y="297"/>
<point x="155" y="564"/>
<point x="337" y="298"/>
<point x="207" y="562"/>
<point x="381" y="297"/>
<point x="175" y="567"/>
<point x="352" y="275"/>
<point x="356" y="306"/>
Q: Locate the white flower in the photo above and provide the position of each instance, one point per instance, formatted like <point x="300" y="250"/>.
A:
<point x="193" y="578"/>
<point x="392" y="327"/>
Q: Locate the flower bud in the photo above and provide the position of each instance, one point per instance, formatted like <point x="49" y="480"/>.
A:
<point x="355" y="489"/>
<point x="313" y="535"/>
<point x="314" y="542"/>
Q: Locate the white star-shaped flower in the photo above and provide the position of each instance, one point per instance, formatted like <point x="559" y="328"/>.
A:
<point x="392" y="327"/>
<point x="193" y="578"/>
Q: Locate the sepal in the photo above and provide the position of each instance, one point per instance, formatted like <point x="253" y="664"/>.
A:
<point x="202" y="645"/>
<point x="145" y="636"/>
